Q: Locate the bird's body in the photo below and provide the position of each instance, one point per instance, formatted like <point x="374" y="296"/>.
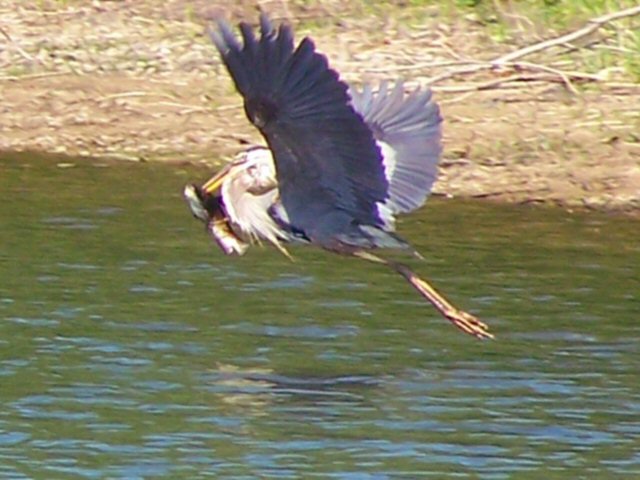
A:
<point x="340" y="163"/>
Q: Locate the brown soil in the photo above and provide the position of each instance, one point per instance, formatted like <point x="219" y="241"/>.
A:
<point x="139" y="81"/>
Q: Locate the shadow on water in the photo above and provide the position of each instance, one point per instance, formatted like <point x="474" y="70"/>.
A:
<point x="131" y="348"/>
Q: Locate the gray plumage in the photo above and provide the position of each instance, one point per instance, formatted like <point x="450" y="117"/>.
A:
<point x="410" y="125"/>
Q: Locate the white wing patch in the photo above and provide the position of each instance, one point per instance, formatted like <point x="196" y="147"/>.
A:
<point x="386" y="210"/>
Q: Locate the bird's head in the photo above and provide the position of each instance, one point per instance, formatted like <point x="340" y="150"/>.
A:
<point x="251" y="171"/>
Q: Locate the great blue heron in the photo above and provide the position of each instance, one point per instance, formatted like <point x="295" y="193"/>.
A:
<point x="340" y="163"/>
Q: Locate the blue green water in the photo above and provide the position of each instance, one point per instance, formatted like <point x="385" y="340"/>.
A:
<point x="130" y="348"/>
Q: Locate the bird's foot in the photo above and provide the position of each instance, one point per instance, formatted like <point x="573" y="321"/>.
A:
<point x="468" y="323"/>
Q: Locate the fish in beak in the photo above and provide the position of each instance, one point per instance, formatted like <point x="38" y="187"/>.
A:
<point x="209" y="208"/>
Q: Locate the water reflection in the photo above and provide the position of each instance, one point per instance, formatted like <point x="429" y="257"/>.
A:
<point x="129" y="348"/>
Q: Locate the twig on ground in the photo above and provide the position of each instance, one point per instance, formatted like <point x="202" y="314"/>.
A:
<point x="138" y="93"/>
<point x="508" y="60"/>
<point x="512" y="81"/>
<point x="592" y="25"/>
<point x="18" y="48"/>
<point x="33" y="76"/>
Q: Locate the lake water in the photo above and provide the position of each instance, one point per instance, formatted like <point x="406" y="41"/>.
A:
<point x="131" y="348"/>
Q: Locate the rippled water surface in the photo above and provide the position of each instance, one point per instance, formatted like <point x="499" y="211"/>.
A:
<point x="131" y="348"/>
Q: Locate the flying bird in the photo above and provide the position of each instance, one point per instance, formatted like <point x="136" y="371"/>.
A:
<point x="339" y="165"/>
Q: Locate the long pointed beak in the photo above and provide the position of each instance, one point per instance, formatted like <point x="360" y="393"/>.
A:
<point x="215" y="182"/>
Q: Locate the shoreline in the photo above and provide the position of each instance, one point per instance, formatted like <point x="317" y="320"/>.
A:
<point x="126" y="81"/>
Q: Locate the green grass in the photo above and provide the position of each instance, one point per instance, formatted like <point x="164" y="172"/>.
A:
<point x="523" y="22"/>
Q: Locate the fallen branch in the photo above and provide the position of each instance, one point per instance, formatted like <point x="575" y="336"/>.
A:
<point x="592" y="25"/>
<point x="511" y="81"/>
<point x="564" y="76"/>
<point x="507" y="61"/>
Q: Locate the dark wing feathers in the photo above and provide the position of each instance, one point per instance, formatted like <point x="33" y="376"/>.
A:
<point x="410" y="125"/>
<point x="326" y="158"/>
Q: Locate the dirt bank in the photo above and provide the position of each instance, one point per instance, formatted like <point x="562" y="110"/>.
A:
<point x="138" y="80"/>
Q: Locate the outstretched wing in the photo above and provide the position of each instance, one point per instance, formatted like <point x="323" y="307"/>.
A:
<point x="327" y="162"/>
<point x="408" y="129"/>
